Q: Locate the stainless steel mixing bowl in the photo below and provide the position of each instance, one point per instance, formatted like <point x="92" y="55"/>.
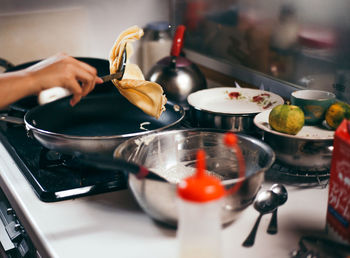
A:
<point x="175" y="150"/>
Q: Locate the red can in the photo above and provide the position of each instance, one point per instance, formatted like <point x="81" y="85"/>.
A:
<point x="338" y="212"/>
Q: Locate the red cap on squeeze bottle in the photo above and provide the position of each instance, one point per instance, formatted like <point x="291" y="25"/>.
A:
<point x="201" y="187"/>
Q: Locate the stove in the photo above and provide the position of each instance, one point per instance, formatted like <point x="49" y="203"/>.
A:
<point x="53" y="178"/>
<point x="48" y="173"/>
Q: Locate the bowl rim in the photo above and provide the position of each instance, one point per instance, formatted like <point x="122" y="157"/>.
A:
<point x="118" y="150"/>
<point x="329" y="96"/>
<point x="261" y="121"/>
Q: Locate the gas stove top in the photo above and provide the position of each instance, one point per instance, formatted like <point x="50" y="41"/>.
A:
<point x="49" y="175"/>
<point x="53" y="179"/>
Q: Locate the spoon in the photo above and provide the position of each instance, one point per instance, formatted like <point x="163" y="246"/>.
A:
<point x="266" y="202"/>
<point x="282" y="195"/>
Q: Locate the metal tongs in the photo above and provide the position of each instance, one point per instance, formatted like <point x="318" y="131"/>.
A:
<point x="120" y="71"/>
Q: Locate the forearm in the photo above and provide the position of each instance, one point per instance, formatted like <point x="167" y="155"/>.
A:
<point x="59" y="70"/>
<point x="14" y="86"/>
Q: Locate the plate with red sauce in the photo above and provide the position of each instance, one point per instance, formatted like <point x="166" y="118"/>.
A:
<point x="230" y="100"/>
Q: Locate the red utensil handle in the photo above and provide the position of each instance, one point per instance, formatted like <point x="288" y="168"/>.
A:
<point x="178" y="40"/>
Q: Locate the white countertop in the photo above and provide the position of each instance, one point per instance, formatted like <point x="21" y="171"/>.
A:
<point x="113" y="225"/>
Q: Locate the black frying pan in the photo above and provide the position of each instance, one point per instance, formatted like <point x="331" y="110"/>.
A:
<point x="97" y="124"/>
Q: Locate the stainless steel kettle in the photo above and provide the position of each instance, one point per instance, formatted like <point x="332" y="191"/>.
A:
<point x="176" y="74"/>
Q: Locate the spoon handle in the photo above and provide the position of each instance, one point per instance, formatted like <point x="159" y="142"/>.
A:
<point x="272" y="228"/>
<point x="251" y="237"/>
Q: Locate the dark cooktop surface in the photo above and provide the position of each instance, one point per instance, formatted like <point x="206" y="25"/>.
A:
<point x="48" y="173"/>
<point x="51" y="179"/>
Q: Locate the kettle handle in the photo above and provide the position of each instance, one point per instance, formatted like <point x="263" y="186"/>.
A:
<point x="178" y="40"/>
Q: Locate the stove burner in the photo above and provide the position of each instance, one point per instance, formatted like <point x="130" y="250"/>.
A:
<point x="50" y="173"/>
<point x="49" y="158"/>
<point x="301" y="178"/>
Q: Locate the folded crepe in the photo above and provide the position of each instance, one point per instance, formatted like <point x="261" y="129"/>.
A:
<point x="146" y="95"/>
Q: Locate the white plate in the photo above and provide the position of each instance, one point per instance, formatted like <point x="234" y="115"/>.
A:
<point x="308" y="132"/>
<point x="221" y="100"/>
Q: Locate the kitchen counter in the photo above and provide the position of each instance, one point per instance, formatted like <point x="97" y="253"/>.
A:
<point x="113" y="225"/>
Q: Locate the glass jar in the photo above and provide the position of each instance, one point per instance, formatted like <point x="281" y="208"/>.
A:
<point x="155" y="44"/>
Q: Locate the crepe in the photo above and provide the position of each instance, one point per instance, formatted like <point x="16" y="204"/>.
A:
<point x="146" y="95"/>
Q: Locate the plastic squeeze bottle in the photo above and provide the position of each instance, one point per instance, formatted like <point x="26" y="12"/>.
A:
<point x="200" y="205"/>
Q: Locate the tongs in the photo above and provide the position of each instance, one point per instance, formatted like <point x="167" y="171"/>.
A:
<point x="120" y="71"/>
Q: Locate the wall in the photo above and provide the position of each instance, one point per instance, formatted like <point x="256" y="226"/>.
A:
<point x="34" y="29"/>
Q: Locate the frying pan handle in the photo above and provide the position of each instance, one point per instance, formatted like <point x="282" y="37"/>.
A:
<point x="17" y="121"/>
<point x="11" y="119"/>
<point x="115" y="164"/>
<point x="178" y="41"/>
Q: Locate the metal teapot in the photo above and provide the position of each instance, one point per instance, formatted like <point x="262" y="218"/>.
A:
<point x="176" y="74"/>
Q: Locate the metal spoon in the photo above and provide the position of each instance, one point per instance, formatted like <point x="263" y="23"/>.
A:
<point x="266" y="202"/>
<point x="282" y="194"/>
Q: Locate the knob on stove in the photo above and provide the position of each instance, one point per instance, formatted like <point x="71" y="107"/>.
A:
<point x="18" y="227"/>
<point x="10" y="211"/>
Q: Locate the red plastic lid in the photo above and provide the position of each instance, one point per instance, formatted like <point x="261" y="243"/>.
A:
<point x="200" y="187"/>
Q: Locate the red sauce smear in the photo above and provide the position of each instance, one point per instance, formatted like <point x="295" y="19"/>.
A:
<point x="258" y="98"/>
<point x="234" y="95"/>
<point x="268" y="105"/>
